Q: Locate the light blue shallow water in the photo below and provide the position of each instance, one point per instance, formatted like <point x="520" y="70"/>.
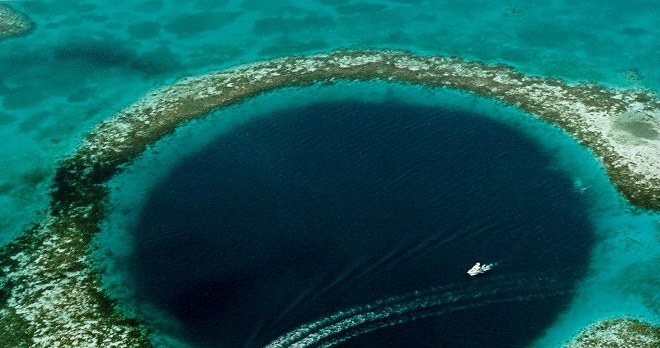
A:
<point x="88" y="59"/>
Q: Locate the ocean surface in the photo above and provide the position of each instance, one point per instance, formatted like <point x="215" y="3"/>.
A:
<point x="313" y="210"/>
<point x="88" y="59"/>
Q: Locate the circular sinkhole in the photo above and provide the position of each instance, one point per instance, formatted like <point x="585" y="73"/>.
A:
<point x="353" y="224"/>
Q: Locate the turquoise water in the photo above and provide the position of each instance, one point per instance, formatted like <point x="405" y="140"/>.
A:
<point x="87" y="60"/>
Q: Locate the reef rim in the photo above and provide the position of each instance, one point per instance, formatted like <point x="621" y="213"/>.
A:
<point x="50" y="290"/>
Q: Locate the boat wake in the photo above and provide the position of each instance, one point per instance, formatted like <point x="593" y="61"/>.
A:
<point x="359" y="320"/>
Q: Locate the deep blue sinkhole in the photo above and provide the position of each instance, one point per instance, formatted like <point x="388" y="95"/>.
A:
<point x="293" y="217"/>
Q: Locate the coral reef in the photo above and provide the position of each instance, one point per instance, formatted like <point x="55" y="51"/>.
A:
<point x="49" y="288"/>
<point x="618" y="333"/>
<point x="13" y="23"/>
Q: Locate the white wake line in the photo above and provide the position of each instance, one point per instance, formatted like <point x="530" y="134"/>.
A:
<point x="359" y="320"/>
<point x="394" y="256"/>
<point x="411" y="316"/>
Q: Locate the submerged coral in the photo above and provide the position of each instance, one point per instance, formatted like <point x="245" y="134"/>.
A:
<point x="618" y="333"/>
<point x="13" y="23"/>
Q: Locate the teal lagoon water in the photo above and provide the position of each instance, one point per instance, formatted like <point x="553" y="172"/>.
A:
<point x="85" y="61"/>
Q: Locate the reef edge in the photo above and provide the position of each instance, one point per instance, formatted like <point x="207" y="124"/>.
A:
<point x="50" y="290"/>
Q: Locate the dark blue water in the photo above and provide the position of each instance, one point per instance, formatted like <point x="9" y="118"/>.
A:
<point x="299" y="215"/>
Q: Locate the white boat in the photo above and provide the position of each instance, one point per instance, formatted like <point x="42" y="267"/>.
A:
<point x="478" y="268"/>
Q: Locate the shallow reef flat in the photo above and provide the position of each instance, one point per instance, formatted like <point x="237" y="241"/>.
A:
<point x="622" y="127"/>
<point x="50" y="290"/>
<point x="13" y="23"/>
<point x="618" y="333"/>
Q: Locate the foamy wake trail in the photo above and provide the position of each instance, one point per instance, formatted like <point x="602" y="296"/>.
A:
<point x="358" y="320"/>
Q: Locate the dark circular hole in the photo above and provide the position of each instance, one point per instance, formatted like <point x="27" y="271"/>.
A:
<point x="296" y="216"/>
